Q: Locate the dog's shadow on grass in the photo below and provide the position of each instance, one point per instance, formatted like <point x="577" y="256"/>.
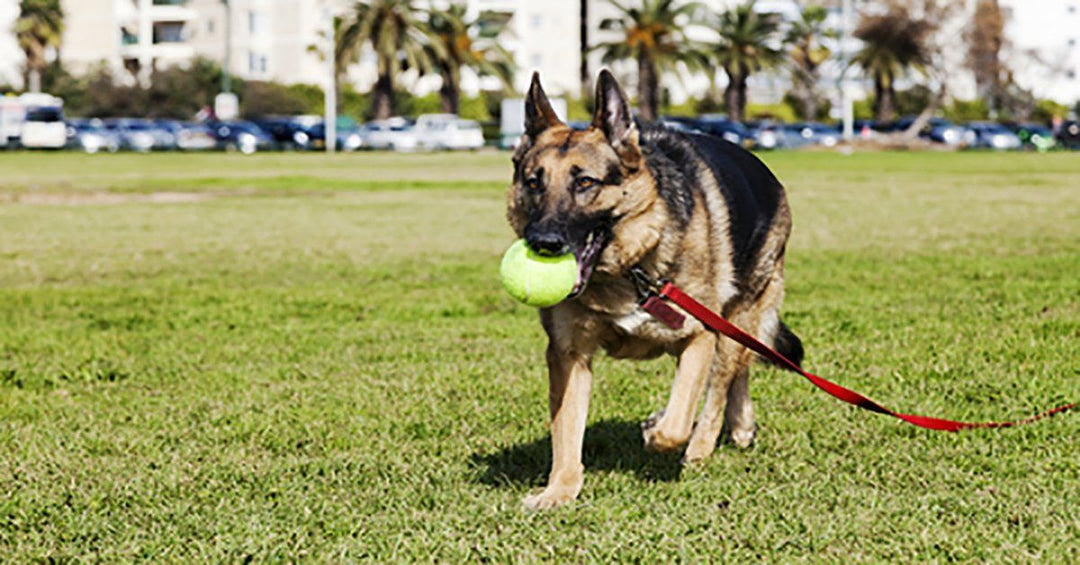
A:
<point x="610" y="445"/>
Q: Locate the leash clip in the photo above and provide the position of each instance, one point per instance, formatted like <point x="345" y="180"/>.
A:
<point x="645" y="285"/>
<point x="648" y="291"/>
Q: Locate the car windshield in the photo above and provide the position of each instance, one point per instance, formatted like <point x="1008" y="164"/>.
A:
<point x="45" y="115"/>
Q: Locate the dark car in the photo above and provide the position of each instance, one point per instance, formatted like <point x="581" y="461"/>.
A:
<point x="241" y="136"/>
<point x="134" y="134"/>
<point x="1069" y="135"/>
<point x="992" y="135"/>
<point x="348" y="139"/>
<point x="288" y="133"/>
<point x="188" y="136"/>
<point x="1033" y="135"/>
<point x="811" y="133"/>
<point x="90" y="135"/>
<point x="722" y="127"/>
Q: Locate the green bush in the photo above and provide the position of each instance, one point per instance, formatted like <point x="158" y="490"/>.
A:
<point x="1046" y="110"/>
<point x="967" y="110"/>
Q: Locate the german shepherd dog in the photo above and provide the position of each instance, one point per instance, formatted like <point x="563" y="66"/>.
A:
<point x="690" y="208"/>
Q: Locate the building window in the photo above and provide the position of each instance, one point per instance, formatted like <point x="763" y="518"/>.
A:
<point x="258" y="23"/>
<point x="537" y="60"/>
<point x="257" y="64"/>
<point x="210" y="27"/>
<point x="169" y="32"/>
<point x="537" y="21"/>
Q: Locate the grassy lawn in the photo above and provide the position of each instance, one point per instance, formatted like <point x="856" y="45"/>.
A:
<point x="214" y="357"/>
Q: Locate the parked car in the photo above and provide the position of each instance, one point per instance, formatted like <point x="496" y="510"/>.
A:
<point x="725" y="128"/>
<point x="134" y="134"/>
<point x="447" y="131"/>
<point x="944" y="131"/>
<point x="288" y="132"/>
<point x="348" y="139"/>
<point x="768" y="134"/>
<point x="993" y="135"/>
<point x="1069" y="135"/>
<point x="188" y="136"/>
<point x="90" y="135"/>
<point x="810" y="133"/>
<point x="679" y="123"/>
<point x="242" y="136"/>
<point x="1033" y="135"/>
<point x="393" y="133"/>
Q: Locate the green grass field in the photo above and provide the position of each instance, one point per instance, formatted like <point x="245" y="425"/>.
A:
<point x="212" y="357"/>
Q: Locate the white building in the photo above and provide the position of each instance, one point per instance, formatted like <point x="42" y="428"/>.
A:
<point x="274" y="39"/>
<point x="11" y="56"/>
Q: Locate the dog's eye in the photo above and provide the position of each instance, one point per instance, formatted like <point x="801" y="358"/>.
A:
<point x="585" y="183"/>
<point x="533" y="184"/>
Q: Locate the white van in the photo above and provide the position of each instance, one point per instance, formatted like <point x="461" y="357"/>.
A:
<point x="43" y="127"/>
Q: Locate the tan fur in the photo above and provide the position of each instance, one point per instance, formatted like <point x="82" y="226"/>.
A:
<point x="607" y="316"/>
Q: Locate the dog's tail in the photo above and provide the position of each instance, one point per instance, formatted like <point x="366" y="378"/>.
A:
<point x="788" y="344"/>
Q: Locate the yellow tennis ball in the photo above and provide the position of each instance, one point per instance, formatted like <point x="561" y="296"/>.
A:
<point x="535" y="279"/>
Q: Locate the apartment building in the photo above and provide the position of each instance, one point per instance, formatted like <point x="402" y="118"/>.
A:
<point x="279" y="39"/>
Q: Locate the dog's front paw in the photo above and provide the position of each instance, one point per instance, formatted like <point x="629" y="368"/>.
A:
<point x="656" y="439"/>
<point x="549" y="498"/>
<point x="744" y="438"/>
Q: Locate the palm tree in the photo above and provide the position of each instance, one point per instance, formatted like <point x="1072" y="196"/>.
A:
<point x="746" y="46"/>
<point x="394" y="32"/>
<point x="893" y="43"/>
<point x="40" y="26"/>
<point x="653" y="35"/>
<point x="451" y="47"/>
<point x="807" y="54"/>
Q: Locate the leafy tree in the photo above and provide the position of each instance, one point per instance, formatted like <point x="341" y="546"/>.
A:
<point x="654" y="35"/>
<point x="179" y="93"/>
<point x="807" y="54"/>
<point x="395" y="33"/>
<point x="748" y="44"/>
<point x="894" y="42"/>
<point x="40" y="26"/>
<point x="452" y="47"/>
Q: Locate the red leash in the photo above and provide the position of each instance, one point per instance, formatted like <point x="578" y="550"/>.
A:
<point x="666" y="314"/>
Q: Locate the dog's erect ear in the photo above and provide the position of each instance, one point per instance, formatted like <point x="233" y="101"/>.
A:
<point x="539" y="115"/>
<point x="613" y="117"/>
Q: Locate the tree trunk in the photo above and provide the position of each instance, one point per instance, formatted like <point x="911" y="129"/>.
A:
<point x="924" y="117"/>
<point x="648" y="102"/>
<point x="382" y="97"/>
<point x="33" y="80"/>
<point x="805" y="81"/>
<point x="884" y="96"/>
<point x="449" y="92"/>
<point x="735" y="95"/>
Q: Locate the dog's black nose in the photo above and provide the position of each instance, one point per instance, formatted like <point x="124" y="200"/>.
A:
<point x="546" y="242"/>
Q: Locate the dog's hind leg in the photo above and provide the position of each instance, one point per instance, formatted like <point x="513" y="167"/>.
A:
<point x="671" y="429"/>
<point x="764" y="320"/>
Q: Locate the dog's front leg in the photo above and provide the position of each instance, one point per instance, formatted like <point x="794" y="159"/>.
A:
<point x="670" y="429"/>
<point x="570" y="385"/>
